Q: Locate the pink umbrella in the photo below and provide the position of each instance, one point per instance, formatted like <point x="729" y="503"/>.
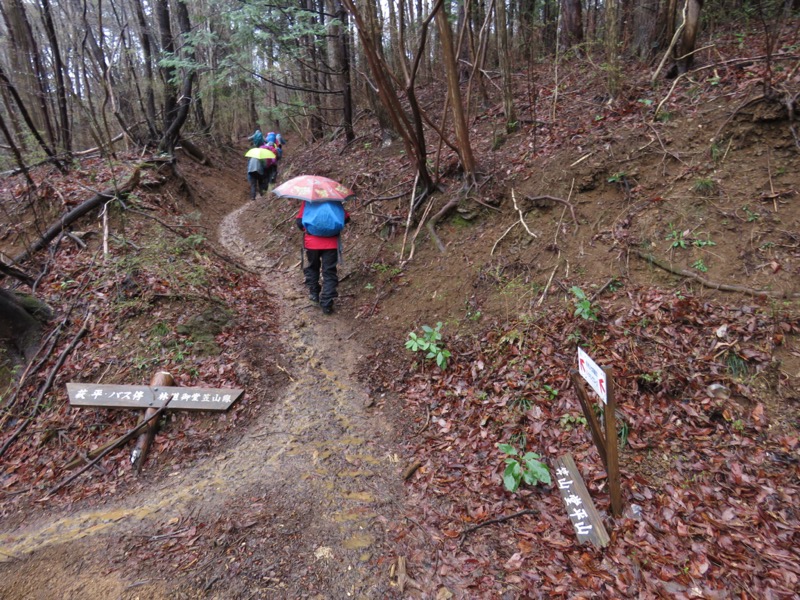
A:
<point x="313" y="188"/>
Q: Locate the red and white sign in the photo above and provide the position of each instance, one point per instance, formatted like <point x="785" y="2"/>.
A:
<point x="594" y="375"/>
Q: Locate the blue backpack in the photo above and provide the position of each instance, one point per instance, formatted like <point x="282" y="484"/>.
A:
<point x="324" y="219"/>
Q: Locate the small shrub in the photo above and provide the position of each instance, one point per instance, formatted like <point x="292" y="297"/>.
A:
<point x="583" y="306"/>
<point x="428" y="342"/>
<point x="526" y="468"/>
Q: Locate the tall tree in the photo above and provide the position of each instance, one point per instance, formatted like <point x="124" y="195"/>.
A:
<point x="454" y="93"/>
<point x="505" y="66"/>
<point x="410" y="131"/>
<point x="180" y="105"/>
<point x="572" y="23"/>
<point x="65" y="131"/>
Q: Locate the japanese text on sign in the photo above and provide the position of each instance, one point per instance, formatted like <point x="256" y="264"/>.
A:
<point x="139" y="396"/>
<point x="593" y="374"/>
<point x="573" y="502"/>
<point x="580" y="508"/>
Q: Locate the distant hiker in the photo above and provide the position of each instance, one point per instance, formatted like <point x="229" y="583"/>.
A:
<point x="271" y="172"/>
<point x="280" y="141"/>
<point x="272" y="144"/>
<point x="322" y="222"/>
<point x="256" y="177"/>
<point x="257" y="138"/>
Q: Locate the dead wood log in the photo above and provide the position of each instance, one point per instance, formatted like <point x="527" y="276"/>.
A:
<point x="139" y="454"/>
<point x="47" y="384"/>
<point x="725" y="287"/>
<point x="119" y="442"/>
<point x="76" y="213"/>
<point x="194" y="152"/>
<point x="16" y="274"/>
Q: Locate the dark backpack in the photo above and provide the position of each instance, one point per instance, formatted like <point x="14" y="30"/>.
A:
<point x="324" y="219"/>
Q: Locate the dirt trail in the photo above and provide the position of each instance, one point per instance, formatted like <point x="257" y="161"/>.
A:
<point x="309" y="484"/>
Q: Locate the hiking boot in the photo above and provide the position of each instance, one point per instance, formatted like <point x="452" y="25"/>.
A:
<point x="327" y="309"/>
<point x="314" y="297"/>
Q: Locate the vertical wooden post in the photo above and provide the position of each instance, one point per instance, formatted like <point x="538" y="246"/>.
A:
<point x="591" y="417"/>
<point x="612" y="455"/>
<point x="145" y="439"/>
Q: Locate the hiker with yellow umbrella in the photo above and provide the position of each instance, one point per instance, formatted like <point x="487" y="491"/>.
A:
<point x="259" y="160"/>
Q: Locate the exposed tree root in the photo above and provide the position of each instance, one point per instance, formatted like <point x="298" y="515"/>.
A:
<point x="725" y="287"/>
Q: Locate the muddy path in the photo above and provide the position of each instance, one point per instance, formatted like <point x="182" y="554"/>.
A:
<point x="295" y="508"/>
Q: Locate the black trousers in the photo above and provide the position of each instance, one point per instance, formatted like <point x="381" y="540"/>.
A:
<point x="323" y="261"/>
<point x="258" y="183"/>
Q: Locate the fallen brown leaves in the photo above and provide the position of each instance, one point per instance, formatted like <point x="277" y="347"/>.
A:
<point x="715" y="478"/>
<point x="153" y="280"/>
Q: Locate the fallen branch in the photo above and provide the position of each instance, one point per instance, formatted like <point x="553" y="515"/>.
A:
<point x="120" y="441"/>
<point x="556" y="199"/>
<point x="76" y="213"/>
<point x="514" y="224"/>
<point x="16" y="274"/>
<point x="431" y="224"/>
<point x="521" y="216"/>
<point x="672" y="43"/>
<point x="527" y="511"/>
<point x="725" y="287"/>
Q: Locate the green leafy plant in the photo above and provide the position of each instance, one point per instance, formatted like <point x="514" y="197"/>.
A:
<point x="617" y="178"/>
<point x="702" y="243"/>
<point x="551" y="392"/>
<point x="525" y="468"/>
<point x="524" y="404"/>
<point x="583" y="306"/>
<point x="716" y="152"/>
<point x="736" y="365"/>
<point x="428" y="342"/>
<point x="664" y="116"/>
<point x="751" y="216"/>
<point x="568" y="422"/>
<point x="676" y="237"/>
<point x="700" y="265"/>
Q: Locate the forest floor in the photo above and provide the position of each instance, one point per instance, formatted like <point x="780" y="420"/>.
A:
<point x="351" y="460"/>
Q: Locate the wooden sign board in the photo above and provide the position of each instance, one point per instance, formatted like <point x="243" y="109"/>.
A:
<point x="580" y="508"/>
<point x="143" y="396"/>
<point x="593" y="374"/>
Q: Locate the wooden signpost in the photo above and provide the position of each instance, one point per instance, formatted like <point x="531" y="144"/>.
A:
<point x="600" y="381"/>
<point x="161" y="391"/>
<point x="580" y="508"/>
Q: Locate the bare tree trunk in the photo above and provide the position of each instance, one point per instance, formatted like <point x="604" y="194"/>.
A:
<point x="687" y="44"/>
<point x="28" y="64"/>
<point x="27" y="118"/>
<point x="183" y="103"/>
<point x="572" y="21"/>
<point x="414" y="142"/>
<point x="505" y="66"/>
<point x="65" y="131"/>
<point x="145" y="38"/>
<point x="454" y="92"/>
<point x="612" y="43"/>
<point x="343" y="66"/>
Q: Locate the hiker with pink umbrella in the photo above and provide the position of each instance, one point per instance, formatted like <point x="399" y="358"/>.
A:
<point x="321" y="218"/>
